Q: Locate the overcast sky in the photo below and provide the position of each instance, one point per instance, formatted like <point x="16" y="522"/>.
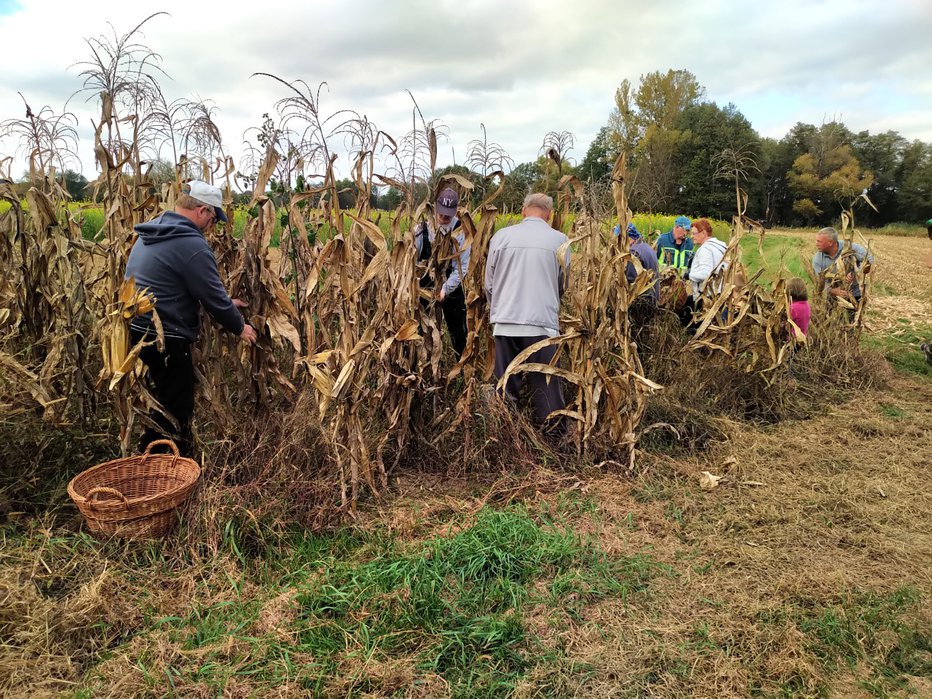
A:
<point x="521" y="67"/>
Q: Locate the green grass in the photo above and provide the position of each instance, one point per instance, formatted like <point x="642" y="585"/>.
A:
<point x="457" y="604"/>
<point x="455" y="607"/>
<point x="882" y="289"/>
<point x="906" y="230"/>
<point x="875" y="631"/>
<point x="902" y="349"/>
<point x="780" y="252"/>
<point x="891" y="411"/>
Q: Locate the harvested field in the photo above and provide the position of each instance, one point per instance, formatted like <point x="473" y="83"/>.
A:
<point x="804" y="572"/>
<point x="902" y="281"/>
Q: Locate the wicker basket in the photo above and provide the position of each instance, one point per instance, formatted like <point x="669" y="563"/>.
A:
<point x="135" y="497"/>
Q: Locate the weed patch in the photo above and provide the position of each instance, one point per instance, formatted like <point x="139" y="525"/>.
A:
<point x="887" y="634"/>
<point x="457" y="604"/>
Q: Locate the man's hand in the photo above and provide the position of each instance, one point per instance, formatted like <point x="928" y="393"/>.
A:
<point x="838" y="292"/>
<point x="240" y="304"/>
<point x="442" y="293"/>
<point x="248" y="335"/>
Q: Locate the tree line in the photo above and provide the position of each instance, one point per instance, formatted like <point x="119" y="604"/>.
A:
<point x="686" y="154"/>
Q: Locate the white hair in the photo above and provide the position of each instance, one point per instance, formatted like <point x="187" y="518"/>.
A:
<point x="830" y="233"/>
<point x="537" y="200"/>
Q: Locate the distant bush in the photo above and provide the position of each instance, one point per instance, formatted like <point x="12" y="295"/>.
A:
<point x="906" y="230"/>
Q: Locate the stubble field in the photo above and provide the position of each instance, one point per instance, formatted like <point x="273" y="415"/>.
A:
<point x="807" y="570"/>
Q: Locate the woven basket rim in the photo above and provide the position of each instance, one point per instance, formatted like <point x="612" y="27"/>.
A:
<point x="190" y="464"/>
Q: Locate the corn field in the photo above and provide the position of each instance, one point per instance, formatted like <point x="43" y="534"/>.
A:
<point x="344" y="324"/>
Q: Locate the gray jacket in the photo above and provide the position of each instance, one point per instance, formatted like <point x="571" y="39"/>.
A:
<point x="172" y="259"/>
<point x="523" y="278"/>
<point x="706" y="261"/>
<point x="821" y="262"/>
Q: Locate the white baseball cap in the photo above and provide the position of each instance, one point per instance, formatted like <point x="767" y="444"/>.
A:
<point x="207" y="194"/>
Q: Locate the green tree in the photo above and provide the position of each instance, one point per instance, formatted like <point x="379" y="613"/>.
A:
<point x="775" y="197"/>
<point x="643" y="125"/>
<point x="914" y="198"/>
<point x="76" y="184"/>
<point x="827" y="176"/>
<point x="599" y="160"/>
<point x="162" y="171"/>
<point x="391" y="200"/>
<point x="707" y="132"/>
<point x="881" y="154"/>
<point x="521" y="181"/>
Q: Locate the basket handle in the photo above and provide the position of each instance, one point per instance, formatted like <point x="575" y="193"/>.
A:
<point x="162" y="442"/>
<point x="101" y="490"/>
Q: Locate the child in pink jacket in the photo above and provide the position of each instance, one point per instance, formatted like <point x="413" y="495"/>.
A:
<point x="799" y="304"/>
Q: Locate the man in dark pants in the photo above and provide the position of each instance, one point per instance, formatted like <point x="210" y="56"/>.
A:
<point x="524" y="280"/>
<point x="173" y="261"/>
<point x="426" y="237"/>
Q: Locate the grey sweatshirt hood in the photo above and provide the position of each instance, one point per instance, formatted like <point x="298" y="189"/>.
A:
<point x="168" y="226"/>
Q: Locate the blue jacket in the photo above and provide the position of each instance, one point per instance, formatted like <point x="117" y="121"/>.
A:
<point x="172" y="259"/>
<point x="669" y="254"/>
<point x="645" y="253"/>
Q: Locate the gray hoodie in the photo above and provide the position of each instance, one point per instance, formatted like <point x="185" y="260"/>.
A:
<point x="523" y="278"/>
<point x="172" y="259"/>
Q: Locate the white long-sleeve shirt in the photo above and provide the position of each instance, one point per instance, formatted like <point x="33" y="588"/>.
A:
<point x="460" y="265"/>
<point x="705" y="262"/>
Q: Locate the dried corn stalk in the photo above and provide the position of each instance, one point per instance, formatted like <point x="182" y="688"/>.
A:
<point x="595" y="352"/>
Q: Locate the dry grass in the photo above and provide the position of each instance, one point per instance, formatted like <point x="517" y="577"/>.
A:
<point x="351" y="410"/>
<point x="809" y="516"/>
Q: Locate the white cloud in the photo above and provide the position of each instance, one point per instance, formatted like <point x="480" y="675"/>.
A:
<point x="522" y="68"/>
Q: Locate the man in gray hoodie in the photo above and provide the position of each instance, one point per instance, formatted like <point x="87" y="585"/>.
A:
<point x="524" y="280"/>
<point x="172" y="260"/>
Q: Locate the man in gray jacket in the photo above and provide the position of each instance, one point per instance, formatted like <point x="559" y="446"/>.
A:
<point x="173" y="261"/>
<point x="524" y="280"/>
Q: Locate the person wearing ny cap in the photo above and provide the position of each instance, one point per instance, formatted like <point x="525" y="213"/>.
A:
<point x="173" y="261"/>
<point x="674" y="248"/>
<point x="453" y="258"/>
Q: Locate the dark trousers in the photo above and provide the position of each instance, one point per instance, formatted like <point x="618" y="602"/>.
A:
<point x="546" y="392"/>
<point x="454" y="313"/>
<point x="687" y="312"/>
<point x="642" y="311"/>
<point x="171" y="380"/>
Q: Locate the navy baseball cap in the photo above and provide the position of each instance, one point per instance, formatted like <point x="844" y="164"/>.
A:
<point x="447" y="202"/>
